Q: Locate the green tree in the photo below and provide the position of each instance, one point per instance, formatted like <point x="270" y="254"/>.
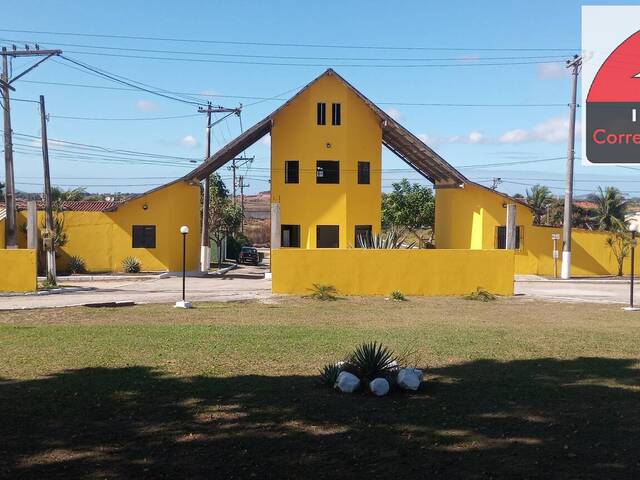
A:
<point x="611" y="208"/>
<point x="225" y="217"/>
<point x="539" y="198"/>
<point x="409" y="207"/>
<point x="620" y="244"/>
<point x="59" y="195"/>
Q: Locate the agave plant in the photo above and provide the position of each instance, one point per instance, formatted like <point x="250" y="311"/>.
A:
<point x="383" y="241"/>
<point x="131" y="265"/>
<point x="481" y="295"/>
<point x="320" y="291"/>
<point x="76" y="264"/>
<point x="329" y="373"/>
<point x="372" y="360"/>
<point x="398" y="296"/>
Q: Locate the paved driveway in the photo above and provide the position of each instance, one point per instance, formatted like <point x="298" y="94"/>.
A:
<point x="244" y="283"/>
<point x="578" y="290"/>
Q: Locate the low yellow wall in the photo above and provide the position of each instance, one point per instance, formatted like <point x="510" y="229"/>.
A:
<point x="17" y="270"/>
<point x="590" y="255"/>
<point x="379" y="272"/>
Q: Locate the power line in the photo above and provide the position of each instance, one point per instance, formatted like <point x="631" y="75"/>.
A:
<point x="122" y="119"/>
<point x="305" y="45"/>
<point x="290" y="57"/>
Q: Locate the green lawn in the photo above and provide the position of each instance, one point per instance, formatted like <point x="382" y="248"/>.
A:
<point x="514" y="388"/>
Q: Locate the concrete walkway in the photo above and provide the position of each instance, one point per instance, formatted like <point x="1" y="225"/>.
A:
<point x="597" y="290"/>
<point x="246" y="283"/>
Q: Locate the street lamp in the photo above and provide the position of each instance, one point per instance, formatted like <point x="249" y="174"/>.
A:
<point x="184" y="230"/>
<point x="633" y="228"/>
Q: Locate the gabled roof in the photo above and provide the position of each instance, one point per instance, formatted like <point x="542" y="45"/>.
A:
<point x="394" y="136"/>
<point x="71" y="206"/>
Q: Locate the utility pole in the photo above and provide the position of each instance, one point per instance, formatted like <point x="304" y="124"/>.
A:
<point x="575" y="63"/>
<point x="205" y="242"/>
<point x="48" y="211"/>
<point x="5" y="86"/>
<point x="241" y="184"/>
<point x="234" y="167"/>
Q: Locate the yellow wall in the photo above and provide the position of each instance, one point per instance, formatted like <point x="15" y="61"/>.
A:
<point x="18" y="270"/>
<point x="468" y="218"/>
<point x="379" y="272"/>
<point x="296" y="136"/>
<point x="103" y="239"/>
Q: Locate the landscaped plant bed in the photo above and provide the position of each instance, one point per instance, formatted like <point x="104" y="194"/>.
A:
<point x="372" y="368"/>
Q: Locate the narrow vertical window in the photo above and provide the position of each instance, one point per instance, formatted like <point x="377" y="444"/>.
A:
<point x="291" y="171"/>
<point x="335" y="114"/>
<point x="290" y="236"/>
<point x="501" y="237"/>
<point x="322" y="113"/>
<point x="363" y="236"/>
<point x="364" y="175"/>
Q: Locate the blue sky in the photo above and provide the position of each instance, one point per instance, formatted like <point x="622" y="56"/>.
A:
<point x="464" y="136"/>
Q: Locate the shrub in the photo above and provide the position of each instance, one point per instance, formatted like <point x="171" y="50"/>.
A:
<point x="398" y="296"/>
<point x="329" y="373"/>
<point x="76" y="265"/>
<point x="131" y="265"/>
<point x="235" y="244"/>
<point x="323" y="292"/>
<point x="481" y="295"/>
<point x="371" y="360"/>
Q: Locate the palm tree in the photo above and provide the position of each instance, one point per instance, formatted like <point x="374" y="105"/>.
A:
<point x="611" y="207"/>
<point x="539" y="198"/>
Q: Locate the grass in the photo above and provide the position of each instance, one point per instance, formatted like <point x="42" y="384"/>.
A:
<point x="514" y="388"/>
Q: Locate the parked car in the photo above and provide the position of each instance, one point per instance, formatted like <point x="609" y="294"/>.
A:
<point x="249" y="255"/>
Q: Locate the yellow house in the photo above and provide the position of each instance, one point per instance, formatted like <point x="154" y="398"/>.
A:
<point x="145" y="226"/>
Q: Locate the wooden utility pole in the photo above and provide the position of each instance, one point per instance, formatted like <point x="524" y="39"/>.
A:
<point x="565" y="273"/>
<point x="234" y="167"/>
<point x="510" y="234"/>
<point x="5" y="87"/>
<point x="48" y="209"/>
<point x="205" y="242"/>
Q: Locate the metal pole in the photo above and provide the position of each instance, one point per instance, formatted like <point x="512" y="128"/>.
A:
<point x="184" y="264"/>
<point x="633" y="250"/>
<point x="10" y="188"/>
<point x="568" y="192"/>
<point x="48" y="209"/>
<point x="205" y="242"/>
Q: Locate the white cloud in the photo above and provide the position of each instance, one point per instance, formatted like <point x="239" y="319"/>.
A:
<point x="189" y="141"/>
<point x="147" y="106"/>
<point x="553" y="130"/>
<point x="209" y="93"/>
<point x="551" y="71"/>
<point x="394" y="113"/>
<point x="472" y="137"/>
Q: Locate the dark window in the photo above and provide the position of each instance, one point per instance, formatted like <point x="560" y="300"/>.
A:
<point x="501" y="238"/>
<point x="335" y="114"/>
<point x="144" y="236"/>
<point x="291" y="171"/>
<point x="327" y="236"/>
<point x="327" y="171"/>
<point x="363" y="234"/>
<point x="364" y="176"/>
<point x="321" y="113"/>
<point x="290" y="236"/>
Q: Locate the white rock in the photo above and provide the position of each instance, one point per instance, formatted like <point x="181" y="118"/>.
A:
<point x="347" y="382"/>
<point x="409" y="378"/>
<point x="379" y="386"/>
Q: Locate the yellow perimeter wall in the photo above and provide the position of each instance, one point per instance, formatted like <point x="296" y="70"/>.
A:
<point x="469" y="217"/>
<point x="103" y="239"/>
<point x="379" y="272"/>
<point x="18" y="270"/>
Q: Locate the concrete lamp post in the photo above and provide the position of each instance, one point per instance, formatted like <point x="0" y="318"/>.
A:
<point x="633" y="228"/>
<point x="184" y="230"/>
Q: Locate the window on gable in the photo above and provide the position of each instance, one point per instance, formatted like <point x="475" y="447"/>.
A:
<point x="501" y="237"/>
<point x="290" y="236"/>
<point x="291" y="171"/>
<point x="363" y="235"/>
<point x="321" y="113"/>
<point x="327" y="171"/>
<point x="143" y="236"/>
<point x="364" y="176"/>
<point x="335" y="114"/>
<point x="327" y="236"/>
